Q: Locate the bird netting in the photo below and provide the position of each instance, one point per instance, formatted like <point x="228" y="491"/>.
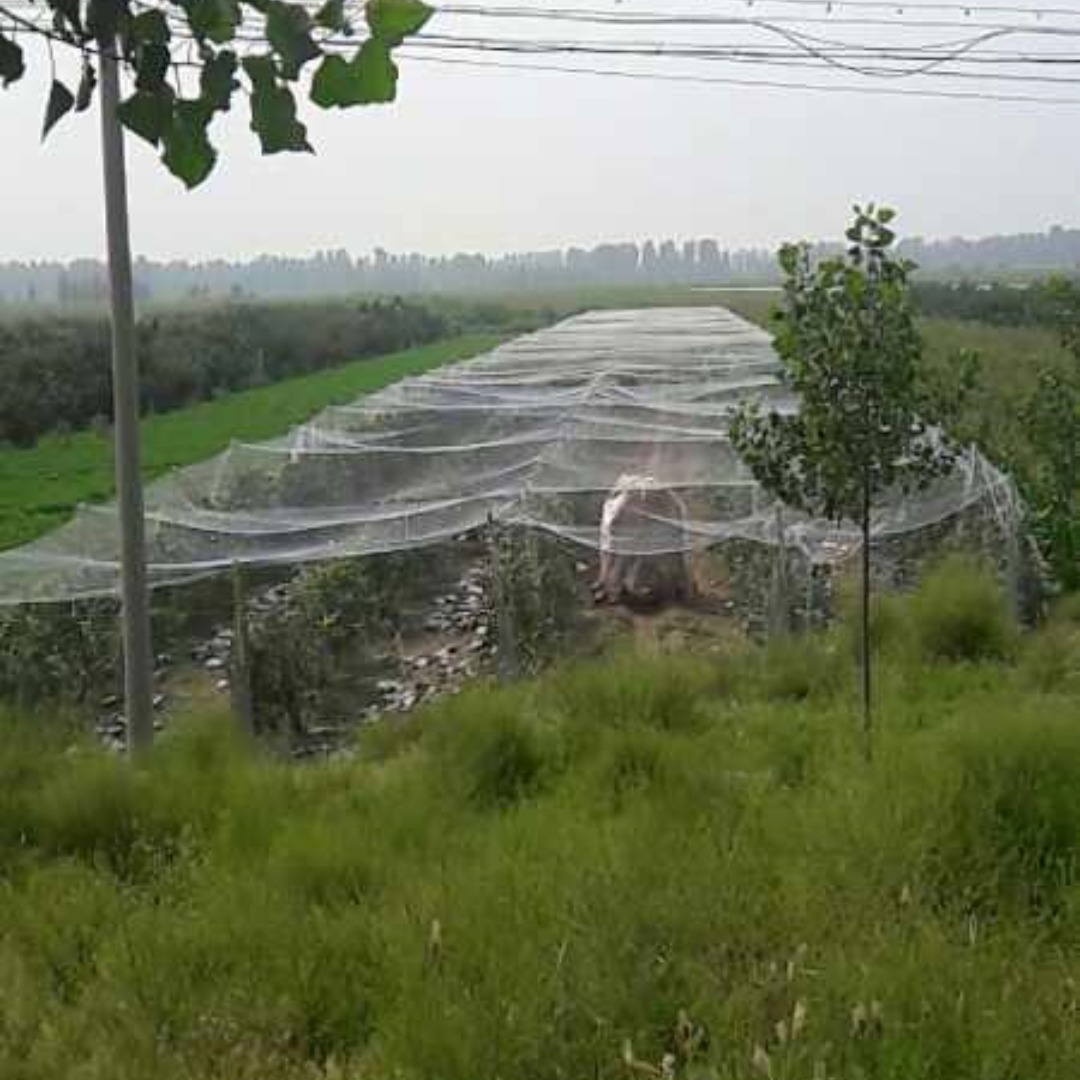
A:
<point x="609" y="429"/>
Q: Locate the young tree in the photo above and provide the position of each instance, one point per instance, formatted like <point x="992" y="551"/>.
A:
<point x="185" y="60"/>
<point x="1051" y="417"/>
<point x="869" y="414"/>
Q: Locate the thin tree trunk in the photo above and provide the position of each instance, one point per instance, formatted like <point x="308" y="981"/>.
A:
<point x="867" y="709"/>
<point x="135" y="611"/>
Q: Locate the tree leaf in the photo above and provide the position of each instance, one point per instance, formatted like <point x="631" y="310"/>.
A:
<point x="217" y="81"/>
<point x="335" y="84"/>
<point x="188" y="153"/>
<point x="273" y="109"/>
<point x="288" y="29"/>
<point x="85" y="93"/>
<point x="104" y="18"/>
<point x="151" y="66"/>
<point x="394" y="20"/>
<point x="331" y="16"/>
<point x="61" y="102"/>
<point x="149" y="115"/>
<point x="150" y="28"/>
<point x="12" y="65"/>
<point x="376" y="73"/>
<point x="213" y="20"/>
<point x="369" y="78"/>
<point x="67" y="11"/>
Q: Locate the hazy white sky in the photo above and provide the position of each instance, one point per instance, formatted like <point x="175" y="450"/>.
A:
<point x="505" y="160"/>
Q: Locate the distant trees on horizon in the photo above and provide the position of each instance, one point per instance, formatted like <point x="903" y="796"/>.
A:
<point x="82" y="282"/>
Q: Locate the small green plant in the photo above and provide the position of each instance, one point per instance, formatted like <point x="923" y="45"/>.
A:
<point x="960" y="612"/>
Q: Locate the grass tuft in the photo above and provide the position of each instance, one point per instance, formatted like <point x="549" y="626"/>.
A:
<point x="960" y="613"/>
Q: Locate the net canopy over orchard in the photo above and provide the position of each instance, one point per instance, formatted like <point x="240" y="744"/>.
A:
<point x="609" y="430"/>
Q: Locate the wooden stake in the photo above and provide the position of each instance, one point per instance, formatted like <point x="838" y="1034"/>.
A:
<point x="240" y="675"/>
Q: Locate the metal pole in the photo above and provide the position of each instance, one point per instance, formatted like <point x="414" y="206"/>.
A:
<point x="138" y="653"/>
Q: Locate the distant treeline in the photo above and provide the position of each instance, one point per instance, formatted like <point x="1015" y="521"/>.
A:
<point x="329" y="273"/>
<point x="1037" y="304"/>
<point x="54" y="372"/>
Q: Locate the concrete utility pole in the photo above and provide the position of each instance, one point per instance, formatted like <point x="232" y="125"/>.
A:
<point x="138" y="651"/>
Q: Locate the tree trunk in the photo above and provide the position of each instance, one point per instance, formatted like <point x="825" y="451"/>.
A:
<point x="135" y="599"/>
<point x="867" y="712"/>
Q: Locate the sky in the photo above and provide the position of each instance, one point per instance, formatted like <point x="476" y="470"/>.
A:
<point x="496" y="160"/>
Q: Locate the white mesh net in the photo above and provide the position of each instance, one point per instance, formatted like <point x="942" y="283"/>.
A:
<point x="541" y="432"/>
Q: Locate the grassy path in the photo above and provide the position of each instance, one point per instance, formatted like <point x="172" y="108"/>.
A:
<point x="41" y="486"/>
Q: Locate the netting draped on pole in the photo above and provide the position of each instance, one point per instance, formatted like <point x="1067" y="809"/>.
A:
<point x="538" y="432"/>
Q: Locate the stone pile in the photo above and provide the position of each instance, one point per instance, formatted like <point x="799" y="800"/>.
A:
<point x="454" y="646"/>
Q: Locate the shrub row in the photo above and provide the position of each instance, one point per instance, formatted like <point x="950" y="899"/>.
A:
<point x="55" y="371"/>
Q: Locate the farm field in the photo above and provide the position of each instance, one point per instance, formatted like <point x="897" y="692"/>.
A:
<point x="39" y="487"/>
<point x="647" y="864"/>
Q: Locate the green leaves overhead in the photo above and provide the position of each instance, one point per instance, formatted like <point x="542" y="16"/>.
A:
<point x="331" y="16"/>
<point x="12" y="65"/>
<point x="84" y="95"/>
<point x="188" y="153"/>
<point x="334" y="84"/>
<point x="157" y="58"/>
<point x="370" y="78"/>
<point x="288" y="30"/>
<point x="273" y="108"/>
<point x="392" y="21"/>
<point x="150" y="28"/>
<point x="104" y="18"/>
<point x="217" y="81"/>
<point x="61" y="102"/>
<point x="213" y="20"/>
<point x="151" y="66"/>
<point x="148" y="115"/>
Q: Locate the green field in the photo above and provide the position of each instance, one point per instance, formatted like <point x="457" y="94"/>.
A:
<point x="40" y="487"/>
<point x="648" y="866"/>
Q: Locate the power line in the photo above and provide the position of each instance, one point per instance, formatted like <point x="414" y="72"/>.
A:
<point x="776" y="84"/>
<point x="899" y="8"/>
<point x="964" y="58"/>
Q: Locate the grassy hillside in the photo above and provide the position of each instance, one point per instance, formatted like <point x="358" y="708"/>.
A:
<point x="646" y="866"/>
<point x="39" y="487"/>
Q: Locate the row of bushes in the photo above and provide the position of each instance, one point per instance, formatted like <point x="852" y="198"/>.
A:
<point x="55" y="370"/>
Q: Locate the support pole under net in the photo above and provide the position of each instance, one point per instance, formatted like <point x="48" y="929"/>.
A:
<point x="240" y="675"/>
<point x="1011" y="526"/>
<point x="138" y="652"/>
<point x="779" y="617"/>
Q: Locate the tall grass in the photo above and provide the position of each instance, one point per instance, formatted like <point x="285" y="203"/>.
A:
<point x="641" y="866"/>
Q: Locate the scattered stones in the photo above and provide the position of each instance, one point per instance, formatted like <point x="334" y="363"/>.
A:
<point x="433" y="669"/>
